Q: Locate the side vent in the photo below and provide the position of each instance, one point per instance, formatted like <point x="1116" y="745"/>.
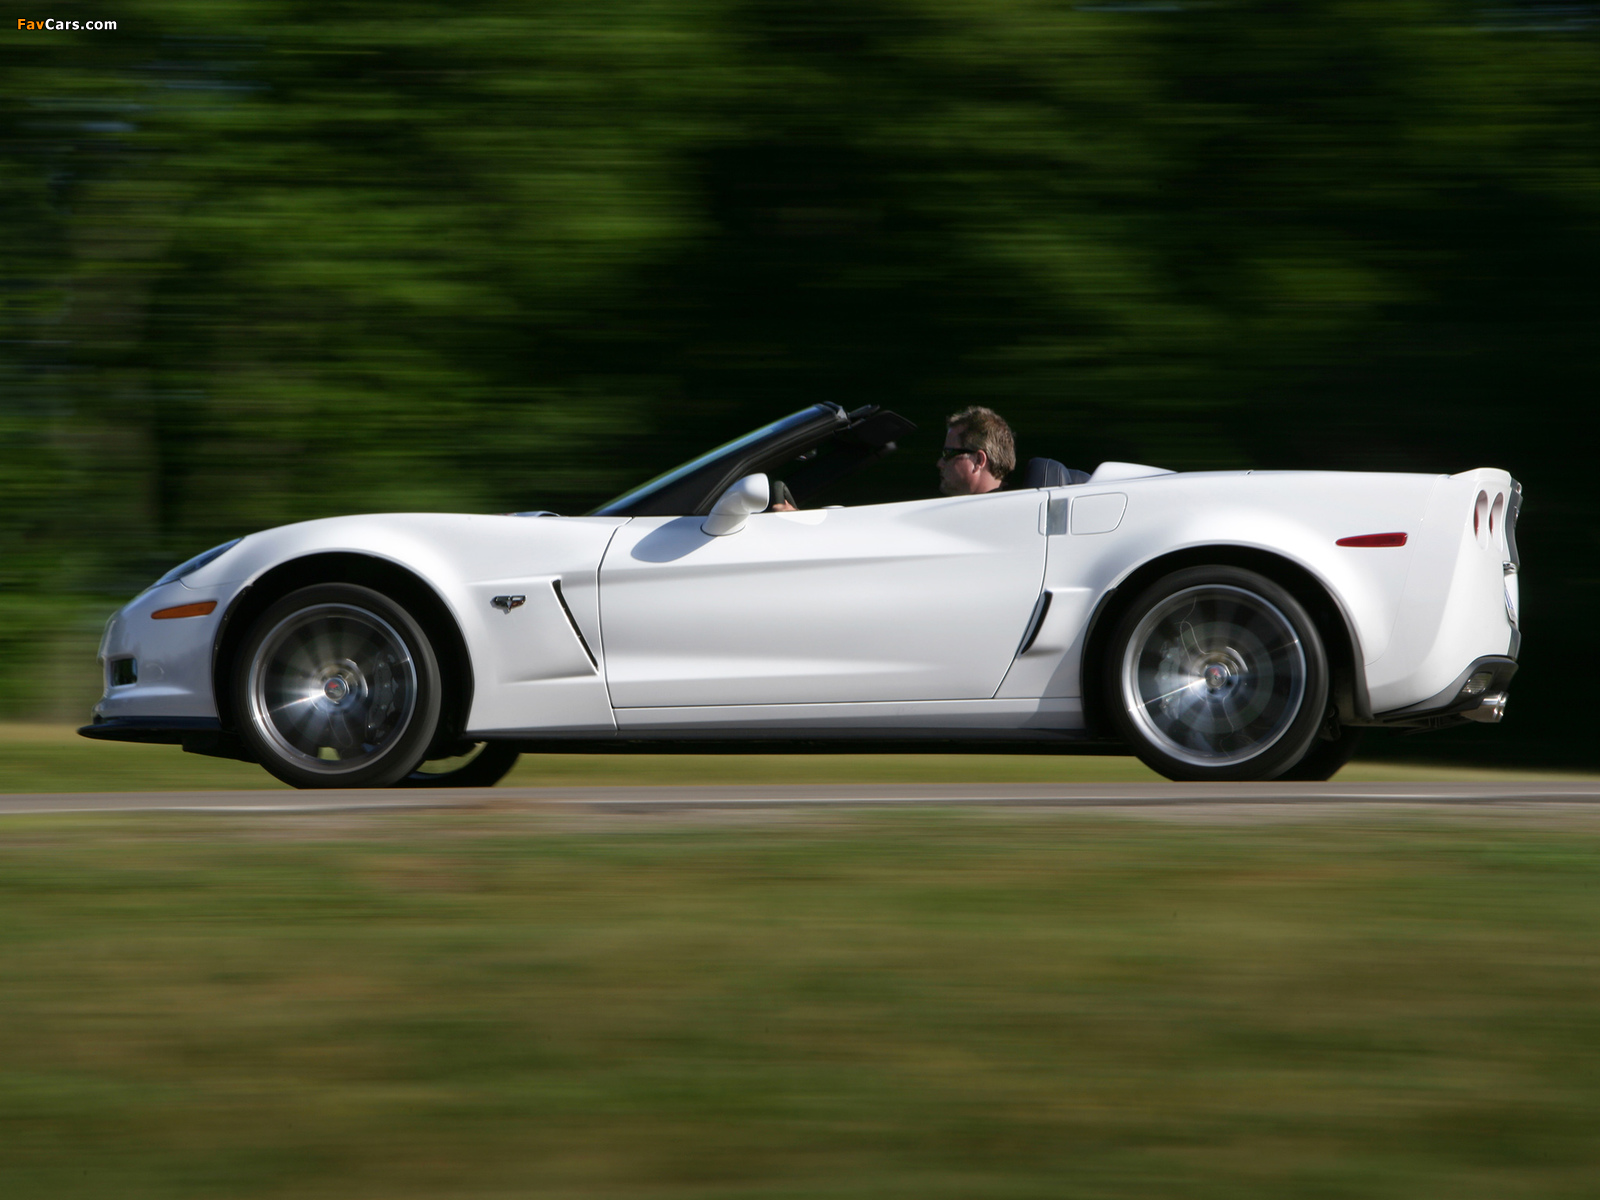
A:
<point x="1035" y="625"/>
<point x="582" y="641"/>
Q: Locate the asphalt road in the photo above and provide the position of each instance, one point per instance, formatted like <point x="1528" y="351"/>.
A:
<point x="654" y="799"/>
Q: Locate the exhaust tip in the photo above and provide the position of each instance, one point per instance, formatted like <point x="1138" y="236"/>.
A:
<point x="1491" y="710"/>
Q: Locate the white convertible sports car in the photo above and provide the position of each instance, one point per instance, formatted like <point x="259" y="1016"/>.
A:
<point x="1223" y="625"/>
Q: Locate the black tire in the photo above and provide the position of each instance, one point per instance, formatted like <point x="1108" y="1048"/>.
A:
<point x="483" y="765"/>
<point x="1326" y="757"/>
<point x="1216" y="673"/>
<point x="337" y="686"/>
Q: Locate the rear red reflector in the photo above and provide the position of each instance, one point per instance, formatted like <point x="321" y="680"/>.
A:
<point x="1374" y="539"/>
<point x="204" y="608"/>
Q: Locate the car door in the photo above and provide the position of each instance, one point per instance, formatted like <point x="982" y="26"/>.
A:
<point x="924" y="600"/>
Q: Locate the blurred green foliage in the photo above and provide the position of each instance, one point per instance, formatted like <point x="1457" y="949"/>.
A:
<point x="271" y="261"/>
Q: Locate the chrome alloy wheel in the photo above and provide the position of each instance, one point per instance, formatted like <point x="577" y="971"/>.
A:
<point x="332" y="687"/>
<point x="1214" y="675"/>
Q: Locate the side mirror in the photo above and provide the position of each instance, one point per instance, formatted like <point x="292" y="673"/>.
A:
<point x="750" y="495"/>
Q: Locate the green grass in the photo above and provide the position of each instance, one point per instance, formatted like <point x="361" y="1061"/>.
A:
<point x="847" y="1005"/>
<point x="53" y="758"/>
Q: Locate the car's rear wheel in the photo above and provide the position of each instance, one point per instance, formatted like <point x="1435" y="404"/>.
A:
<point x="480" y="764"/>
<point x="1326" y="756"/>
<point x="1217" y="673"/>
<point x="337" y="686"/>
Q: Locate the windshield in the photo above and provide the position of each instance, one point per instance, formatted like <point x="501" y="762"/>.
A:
<point x="637" y="500"/>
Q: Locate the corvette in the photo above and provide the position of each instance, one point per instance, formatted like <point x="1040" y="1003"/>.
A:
<point x="1222" y="625"/>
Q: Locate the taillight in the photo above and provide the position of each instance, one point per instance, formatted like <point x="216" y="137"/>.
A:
<point x="1513" y="508"/>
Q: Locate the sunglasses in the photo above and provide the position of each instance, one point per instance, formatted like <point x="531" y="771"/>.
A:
<point x="950" y="452"/>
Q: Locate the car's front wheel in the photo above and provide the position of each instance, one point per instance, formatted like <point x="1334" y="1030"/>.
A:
<point x="337" y="686"/>
<point x="1217" y="673"/>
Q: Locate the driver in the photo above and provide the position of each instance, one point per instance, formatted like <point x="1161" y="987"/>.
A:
<point x="978" y="453"/>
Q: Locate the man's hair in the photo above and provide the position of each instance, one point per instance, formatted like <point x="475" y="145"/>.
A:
<point x="984" y="429"/>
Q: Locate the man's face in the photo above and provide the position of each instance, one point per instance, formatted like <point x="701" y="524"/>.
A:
<point x="960" y="474"/>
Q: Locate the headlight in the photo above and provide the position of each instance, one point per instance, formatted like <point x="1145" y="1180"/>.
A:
<point x="195" y="563"/>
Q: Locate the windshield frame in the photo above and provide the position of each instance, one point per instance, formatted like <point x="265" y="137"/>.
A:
<point x="691" y="488"/>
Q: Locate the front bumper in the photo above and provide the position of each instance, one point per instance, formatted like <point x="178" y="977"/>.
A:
<point x="160" y="670"/>
<point x="158" y="674"/>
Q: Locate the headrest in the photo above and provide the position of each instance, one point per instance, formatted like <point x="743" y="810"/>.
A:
<point x="1047" y="473"/>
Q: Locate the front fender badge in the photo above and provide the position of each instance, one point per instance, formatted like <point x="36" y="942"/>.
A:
<point x="507" y="603"/>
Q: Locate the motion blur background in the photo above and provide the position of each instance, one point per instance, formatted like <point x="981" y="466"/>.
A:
<point x="269" y="261"/>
